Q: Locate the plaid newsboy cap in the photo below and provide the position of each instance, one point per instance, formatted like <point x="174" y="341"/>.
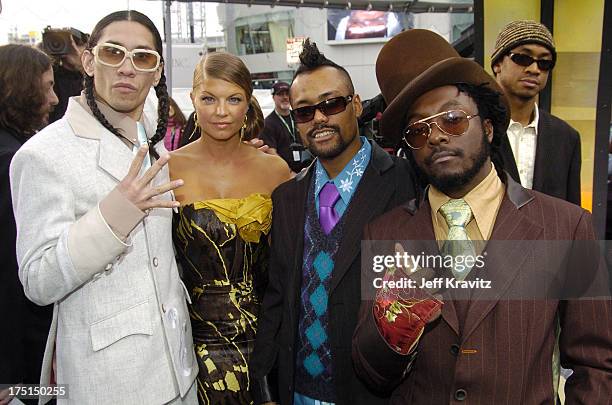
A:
<point x="522" y="32"/>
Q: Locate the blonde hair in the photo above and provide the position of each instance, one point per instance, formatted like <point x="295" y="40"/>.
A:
<point x="228" y="67"/>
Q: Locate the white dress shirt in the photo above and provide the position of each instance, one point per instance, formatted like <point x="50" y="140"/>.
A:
<point x="523" y="141"/>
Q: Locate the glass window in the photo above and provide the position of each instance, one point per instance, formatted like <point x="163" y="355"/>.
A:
<point x="452" y="19"/>
<point x="263" y="33"/>
<point x="267" y="79"/>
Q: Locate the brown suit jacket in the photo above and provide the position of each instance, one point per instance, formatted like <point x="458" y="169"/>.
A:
<point x="498" y="350"/>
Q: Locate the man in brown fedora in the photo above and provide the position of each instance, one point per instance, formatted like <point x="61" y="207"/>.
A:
<point x="542" y="151"/>
<point x="492" y="335"/>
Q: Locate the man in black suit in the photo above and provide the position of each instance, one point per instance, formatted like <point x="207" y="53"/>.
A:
<point x="542" y="152"/>
<point x="280" y="130"/>
<point x="312" y="301"/>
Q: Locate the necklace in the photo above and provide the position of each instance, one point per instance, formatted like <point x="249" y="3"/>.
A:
<point x="292" y="129"/>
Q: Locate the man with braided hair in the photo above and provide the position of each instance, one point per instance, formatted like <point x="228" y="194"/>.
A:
<point x="91" y="196"/>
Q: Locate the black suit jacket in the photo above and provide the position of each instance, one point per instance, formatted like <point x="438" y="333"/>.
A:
<point x="276" y="135"/>
<point x="387" y="182"/>
<point x="12" y="301"/>
<point x="25" y="324"/>
<point x="557" y="161"/>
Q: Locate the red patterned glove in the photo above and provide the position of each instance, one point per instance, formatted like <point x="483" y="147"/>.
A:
<point x="401" y="314"/>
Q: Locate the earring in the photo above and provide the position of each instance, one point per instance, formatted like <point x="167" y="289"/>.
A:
<point x="195" y="126"/>
<point x="243" y="128"/>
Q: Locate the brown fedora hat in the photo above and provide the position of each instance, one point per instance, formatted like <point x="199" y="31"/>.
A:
<point x="415" y="62"/>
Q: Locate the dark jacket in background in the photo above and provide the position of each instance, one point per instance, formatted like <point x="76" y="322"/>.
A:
<point x="68" y="83"/>
<point x="25" y="325"/>
<point x="557" y="161"/>
<point x="386" y="183"/>
<point x="276" y="135"/>
<point x="190" y="131"/>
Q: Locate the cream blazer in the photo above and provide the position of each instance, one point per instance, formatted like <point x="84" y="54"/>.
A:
<point x="121" y="332"/>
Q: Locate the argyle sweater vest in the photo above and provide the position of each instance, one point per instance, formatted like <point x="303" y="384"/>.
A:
<point x="314" y="371"/>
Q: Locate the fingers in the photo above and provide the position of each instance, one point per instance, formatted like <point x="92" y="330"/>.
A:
<point x="399" y="248"/>
<point x="429" y="280"/>
<point x="164" y="188"/>
<point x="256" y="142"/>
<point x="153" y="203"/>
<point x="269" y="150"/>
<point x="259" y="144"/>
<point x="154" y="169"/>
<point x="137" y="163"/>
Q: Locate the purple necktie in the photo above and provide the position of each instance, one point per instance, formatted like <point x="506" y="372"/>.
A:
<point x="327" y="214"/>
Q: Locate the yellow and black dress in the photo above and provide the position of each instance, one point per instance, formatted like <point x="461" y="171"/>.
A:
<point x="223" y="250"/>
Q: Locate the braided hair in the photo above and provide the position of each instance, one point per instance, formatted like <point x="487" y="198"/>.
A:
<point x="160" y="89"/>
<point x="490" y="107"/>
<point x="311" y="59"/>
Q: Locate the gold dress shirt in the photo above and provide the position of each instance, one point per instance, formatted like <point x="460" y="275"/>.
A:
<point x="484" y="201"/>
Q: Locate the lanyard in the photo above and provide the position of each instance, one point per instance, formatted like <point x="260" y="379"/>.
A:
<point x="292" y="129"/>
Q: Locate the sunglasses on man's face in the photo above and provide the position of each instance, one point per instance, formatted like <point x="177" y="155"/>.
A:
<point x="525" y="60"/>
<point x="113" y="55"/>
<point x="328" y="107"/>
<point x="453" y="122"/>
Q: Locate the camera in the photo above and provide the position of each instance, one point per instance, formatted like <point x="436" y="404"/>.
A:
<point x="56" y="41"/>
<point x="369" y="122"/>
<point x="300" y="153"/>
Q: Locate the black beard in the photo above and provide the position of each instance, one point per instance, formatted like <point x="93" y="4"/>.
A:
<point x="328" y="153"/>
<point x="452" y="183"/>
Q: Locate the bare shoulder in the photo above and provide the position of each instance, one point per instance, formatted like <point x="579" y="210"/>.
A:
<point x="180" y="160"/>
<point x="273" y="166"/>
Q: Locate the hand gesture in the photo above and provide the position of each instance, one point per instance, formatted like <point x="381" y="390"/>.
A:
<point x="402" y="313"/>
<point x="259" y="144"/>
<point x="139" y="190"/>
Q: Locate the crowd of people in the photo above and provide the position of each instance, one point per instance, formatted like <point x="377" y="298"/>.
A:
<point x="222" y="258"/>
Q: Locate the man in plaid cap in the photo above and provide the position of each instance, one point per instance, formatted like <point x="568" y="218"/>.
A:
<point x="543" y="151"/>
<point x="436" y="331"/>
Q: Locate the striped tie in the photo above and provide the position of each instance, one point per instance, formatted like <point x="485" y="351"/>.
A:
<point x="458" y="214"/>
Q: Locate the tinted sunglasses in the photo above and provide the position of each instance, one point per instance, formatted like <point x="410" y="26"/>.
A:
<point x="453" y="122"/>
<point x="525" y="60"/>
<point x="328" y="107"/>
<point x="113" y="55"/>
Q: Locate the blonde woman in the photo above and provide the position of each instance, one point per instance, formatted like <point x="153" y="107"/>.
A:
<point x="220" y="229"/>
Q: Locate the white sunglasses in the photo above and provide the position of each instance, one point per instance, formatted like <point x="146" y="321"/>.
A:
<point x="113" y="55"/>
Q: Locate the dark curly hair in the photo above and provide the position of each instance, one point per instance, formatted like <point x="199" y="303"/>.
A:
<point x="160" y="90"/>
<point x="491" y="107"/>
<point x="22" y="97"/>
<point x="311" y="59"/>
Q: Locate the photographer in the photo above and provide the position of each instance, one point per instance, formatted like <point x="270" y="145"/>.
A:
<point x="65" y="47"/>
<point x="280" y="131"/>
